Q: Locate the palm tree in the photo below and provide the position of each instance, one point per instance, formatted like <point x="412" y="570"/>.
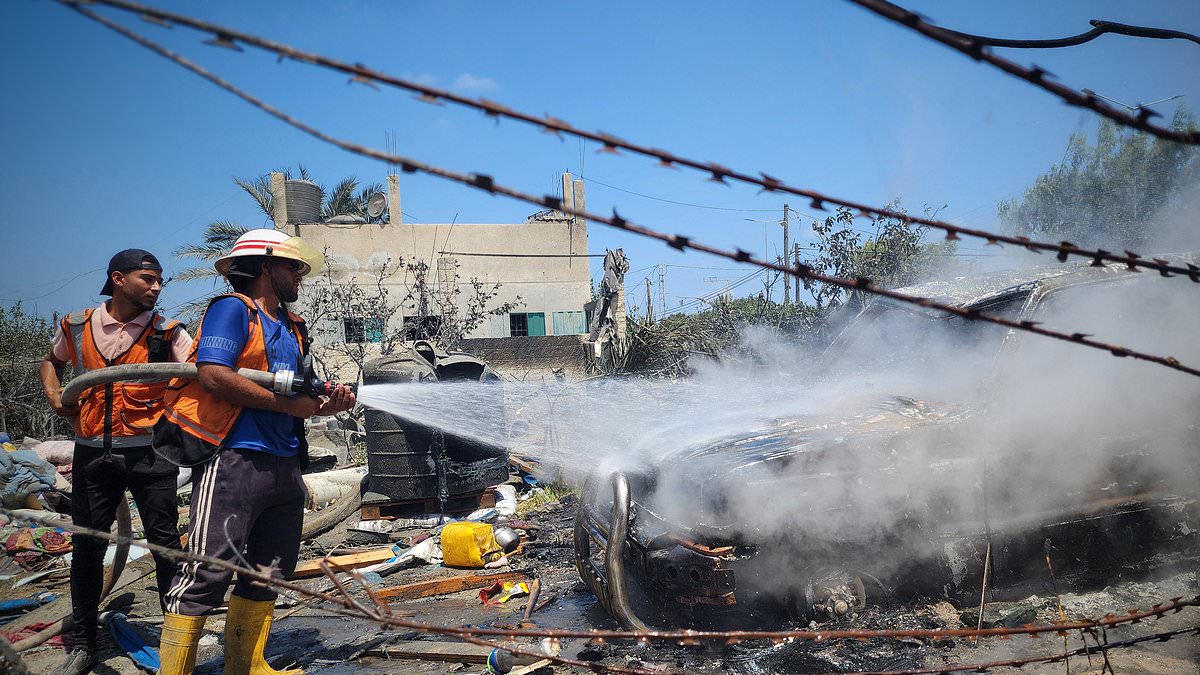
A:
<point x="219" y="236"/>
<point x="344" y="200"/>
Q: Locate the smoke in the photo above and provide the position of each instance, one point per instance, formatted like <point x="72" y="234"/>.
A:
<point x="899" y="392"/>
<point x="911" y="421"/>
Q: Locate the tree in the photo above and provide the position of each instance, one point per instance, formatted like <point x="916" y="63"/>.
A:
<point x="1107" y="194"/>
<point x="888" y="251"/>
<point x="398" y="305"/>
<point x="893" y="255"/>
<point x="25" y="340"/>
<point x="720" y="332"/>
<point x="346" y="198"/>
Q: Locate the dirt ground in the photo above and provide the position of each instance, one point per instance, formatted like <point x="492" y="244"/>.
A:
<point x="320" y="641"/>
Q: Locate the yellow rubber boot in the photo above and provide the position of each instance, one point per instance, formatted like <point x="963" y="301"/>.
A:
<point x="177" y="646"/>
<point x="246" y="629"/>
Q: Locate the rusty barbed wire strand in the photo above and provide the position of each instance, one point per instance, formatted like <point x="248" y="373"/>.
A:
<point x="1098" y="28"/>
<point x="1165" y="636"/>
<point x="270" y="577"/>
<point x="609" y="143"/>
<point x="679" y="242"/>
<point x="1034" y="74"/>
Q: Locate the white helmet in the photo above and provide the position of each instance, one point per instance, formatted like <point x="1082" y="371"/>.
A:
<point x="273" y="243"/>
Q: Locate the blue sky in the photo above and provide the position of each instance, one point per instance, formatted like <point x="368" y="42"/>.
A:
<point x="107" y="146"/>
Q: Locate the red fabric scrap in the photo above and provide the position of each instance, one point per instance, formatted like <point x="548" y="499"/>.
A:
<point x="29" y="631"/>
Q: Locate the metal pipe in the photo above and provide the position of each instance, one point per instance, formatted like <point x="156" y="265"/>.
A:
<point x="614" y="556"/>
<point x="149" y="372"/>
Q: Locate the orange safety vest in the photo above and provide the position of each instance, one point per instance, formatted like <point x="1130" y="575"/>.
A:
<point x="118" y="414"/>
<point x="207" y="417"/>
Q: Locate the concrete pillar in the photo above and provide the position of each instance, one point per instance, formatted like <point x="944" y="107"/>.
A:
<point x="579" y="236"/>
<point x="395" y="215"/>
<point x="279" y="201"/>
<point x="568" y="195"/>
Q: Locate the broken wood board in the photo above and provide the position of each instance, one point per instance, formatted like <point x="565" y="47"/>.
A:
<point x="529" y="466"/>
<point x="428" y="650"/>
<point x="465" y="582"/>
<point x="312" y="568"/>
<point x="531" y="668"/>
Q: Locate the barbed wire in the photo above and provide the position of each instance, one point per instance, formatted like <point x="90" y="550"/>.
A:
<point x="227" y="37"/>
<point x="270" y="576"/>
<point x="378" y="611"/>
<point x="1098" y="28"/>
<point x="1100" y="648"/>
<point x="679" y="242"/>
<point x="1035" y="75"/>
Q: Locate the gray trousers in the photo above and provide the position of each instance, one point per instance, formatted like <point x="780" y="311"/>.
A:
<point x="243" y="502"/>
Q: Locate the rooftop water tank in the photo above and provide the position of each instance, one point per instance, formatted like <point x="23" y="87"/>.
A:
<point x="303" y="201"/>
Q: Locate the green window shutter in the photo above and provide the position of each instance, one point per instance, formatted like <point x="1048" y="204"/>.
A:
<point x="536" y="322"/>
<point x="569" y="323"/>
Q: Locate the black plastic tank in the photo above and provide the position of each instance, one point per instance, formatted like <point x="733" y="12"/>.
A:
<point x="410" y="461"/>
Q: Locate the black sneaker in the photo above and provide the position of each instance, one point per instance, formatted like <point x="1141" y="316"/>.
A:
<point x="79" y="662"/>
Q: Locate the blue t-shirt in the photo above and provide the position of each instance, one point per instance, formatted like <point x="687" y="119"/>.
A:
<point x="223" y="335"/>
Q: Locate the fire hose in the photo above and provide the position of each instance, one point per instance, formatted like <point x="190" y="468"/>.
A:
<point x="281" y="382"/>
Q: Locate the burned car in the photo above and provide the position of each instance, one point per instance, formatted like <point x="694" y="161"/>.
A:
<point x="1043" y="462"/>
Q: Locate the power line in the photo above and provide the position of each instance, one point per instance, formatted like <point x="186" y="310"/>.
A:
<point x="717" y="173"/>
<point x="695" y="302"/>
<point x="671" y="201"/>
<point x="524" y="255"/>
<point x="57" y="289"/>
<point x="715" y="269"/>
<point x="488" y="184"/>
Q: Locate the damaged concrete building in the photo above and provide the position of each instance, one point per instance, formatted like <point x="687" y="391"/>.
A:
<point x="540" y="265"/>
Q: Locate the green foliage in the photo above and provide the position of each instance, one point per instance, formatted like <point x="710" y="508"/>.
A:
<point x="892" y="255"/>
<point x="721" y="332"/>
<point x="1106" y="194"/>
<point x="346" y="198"/>
<point x="441" y="313"/>
<point x="888" y="251"/>
<point x="25" y="340"/>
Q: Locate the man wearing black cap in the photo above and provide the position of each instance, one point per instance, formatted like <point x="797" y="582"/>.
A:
<point x="113" y="429"/>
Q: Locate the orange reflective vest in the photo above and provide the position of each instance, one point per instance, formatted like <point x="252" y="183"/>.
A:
<point x="118" y="414"/>
<point x="209" y="418"/>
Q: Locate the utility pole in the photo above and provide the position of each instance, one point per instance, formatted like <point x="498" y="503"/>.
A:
<point x="662" y="289"/>
<point x="797" y="265"/>
<point x="787" y="278"/>
<point x="649" y="303"/>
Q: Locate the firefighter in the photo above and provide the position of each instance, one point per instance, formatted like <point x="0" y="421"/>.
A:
<point x="248" y="448"/>
<point x="113" y="425"/>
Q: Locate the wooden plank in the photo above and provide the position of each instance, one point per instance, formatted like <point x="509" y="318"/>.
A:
<point x="527" y="465"/>
<point x="428" y="650"/>
<point x="533" y="667"/>
<point x="312" y="568"/>
<point x="424" y="589"/>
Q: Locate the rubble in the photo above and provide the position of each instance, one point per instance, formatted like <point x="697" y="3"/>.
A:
<point x="540" y="588"/>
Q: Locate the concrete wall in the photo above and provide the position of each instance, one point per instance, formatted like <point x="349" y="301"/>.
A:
<point x="544" y="284"/>
<point x="532" y="359"/>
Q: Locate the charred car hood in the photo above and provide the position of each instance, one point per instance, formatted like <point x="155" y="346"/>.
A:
<point x="695" y="488"/>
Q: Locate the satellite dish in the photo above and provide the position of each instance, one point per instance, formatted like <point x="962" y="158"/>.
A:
<point x="376" y="205"/>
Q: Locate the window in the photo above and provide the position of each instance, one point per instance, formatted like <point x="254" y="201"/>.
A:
<point x="517" y="325"/>
<point x="531" y="323"/>
<point x="569" y="323"/>
<point x="421" y="327"/>
<point x="363" y="329"/>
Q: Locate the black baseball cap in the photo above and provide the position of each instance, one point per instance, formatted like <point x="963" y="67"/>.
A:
<point x="129" y="259"/>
